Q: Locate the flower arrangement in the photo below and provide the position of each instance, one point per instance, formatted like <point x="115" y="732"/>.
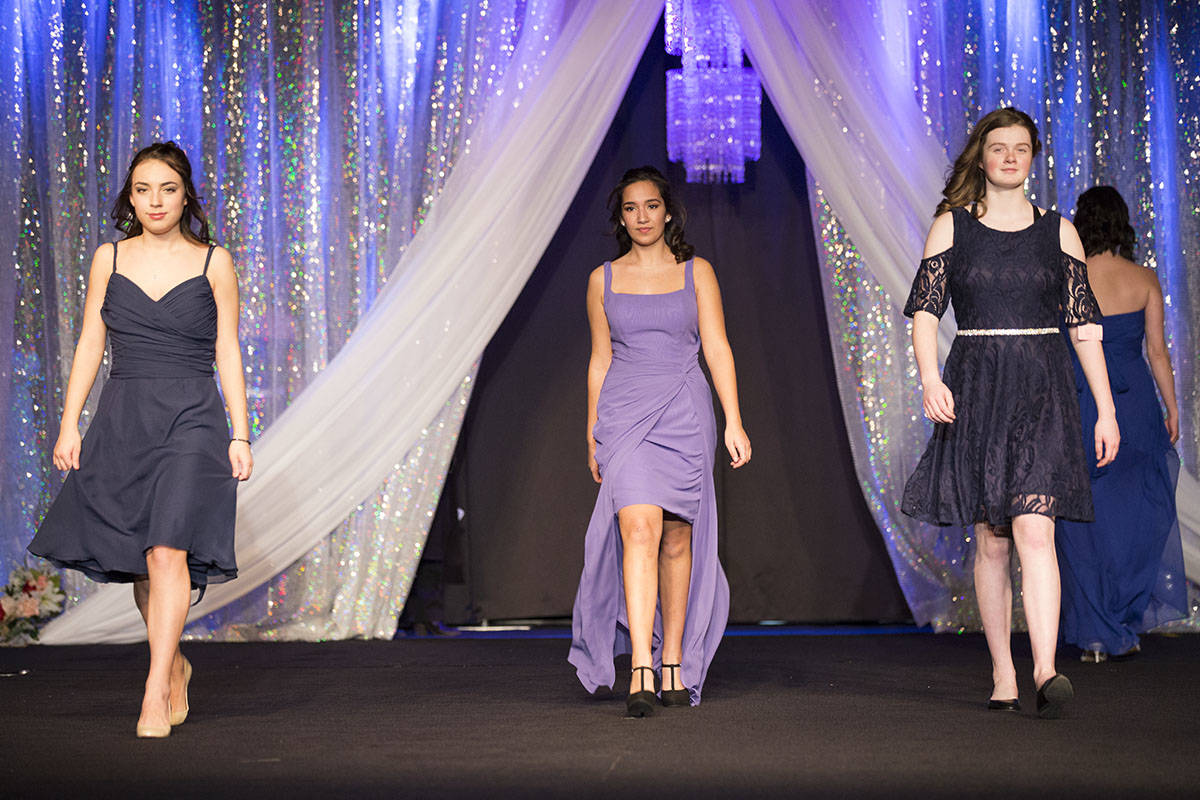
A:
<point x="31" y="594"/>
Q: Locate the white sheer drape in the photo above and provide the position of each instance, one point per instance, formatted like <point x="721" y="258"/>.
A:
<point x="841" y="88"/>
<point x="451" y="289"/>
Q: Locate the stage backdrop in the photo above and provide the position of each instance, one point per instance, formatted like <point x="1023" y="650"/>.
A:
<point x="796" y="538"/>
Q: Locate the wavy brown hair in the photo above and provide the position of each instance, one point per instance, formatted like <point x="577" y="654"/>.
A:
<point x="173" y="156"/>
<point x="673" y="234"/>
<point x="966" y="184"/>
<point x="1102" y="219"/>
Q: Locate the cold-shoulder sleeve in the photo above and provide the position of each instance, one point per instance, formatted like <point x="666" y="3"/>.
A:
<point x="1079" y="306"/>
<point x="930" y="291"/>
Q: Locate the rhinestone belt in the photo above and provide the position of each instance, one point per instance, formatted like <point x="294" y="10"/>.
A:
<point x="1008" y="332"/>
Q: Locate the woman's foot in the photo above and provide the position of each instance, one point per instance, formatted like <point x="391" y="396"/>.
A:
<point x="1053" y="695"/>
<point x="673" y="691"/>
<point x="1004" y="686"/>
<point x="155" y="720"/>
<point x="640" y="702"/>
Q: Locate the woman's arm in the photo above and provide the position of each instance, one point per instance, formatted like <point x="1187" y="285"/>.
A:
<point x="229" y="361"/>
<point x="1159" y="357"/>
<point x="936" y="398"/>
<point x="1091" y="358"/>
<point x="600" y="359"/>
<point x="89" y="352"/>
<point x="719" y="356"/>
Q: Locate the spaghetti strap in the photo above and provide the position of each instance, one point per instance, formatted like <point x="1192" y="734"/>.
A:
<point x="114" y="272"/>
<point x="207" y="259"/>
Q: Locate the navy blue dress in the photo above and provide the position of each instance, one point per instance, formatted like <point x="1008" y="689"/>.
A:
<point x="1123" y="574"/>
<point x="154" y="465"/>
<point x="1014" y="445"/>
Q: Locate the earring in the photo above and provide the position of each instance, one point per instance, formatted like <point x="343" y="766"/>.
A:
<point x="668" y="218"/>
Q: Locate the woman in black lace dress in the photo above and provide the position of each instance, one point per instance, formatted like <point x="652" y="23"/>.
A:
<point x="1005" y="455"/>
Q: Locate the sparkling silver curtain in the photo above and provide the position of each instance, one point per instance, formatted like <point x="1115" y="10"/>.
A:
<point x="321" y="132"/>
<point x="1115" y="90"/>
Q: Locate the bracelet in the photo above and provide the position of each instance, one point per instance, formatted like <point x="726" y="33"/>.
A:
<point x="235" y="439"/>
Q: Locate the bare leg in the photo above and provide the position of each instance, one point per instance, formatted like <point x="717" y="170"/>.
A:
<point x="166" y="611"/>
<point x="641" y="534"/>
<point x="1034" y="537"/>
<point x="674" y="577"/>
<point x="141" y="597"/>
<point x="993" y="591"/>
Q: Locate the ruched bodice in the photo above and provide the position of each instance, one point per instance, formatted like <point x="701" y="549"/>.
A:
<point x="173" y="337"/>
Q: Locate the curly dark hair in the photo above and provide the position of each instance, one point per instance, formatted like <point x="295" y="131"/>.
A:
<point x="967" y="184"/>
<point x="1102" y="219"/>
<point x="673" y="235"/>
<point x="173" y="156"/>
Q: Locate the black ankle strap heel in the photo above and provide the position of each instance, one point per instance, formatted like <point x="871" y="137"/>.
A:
<point x="674" y="697"/>
<point x="640" y="703"/>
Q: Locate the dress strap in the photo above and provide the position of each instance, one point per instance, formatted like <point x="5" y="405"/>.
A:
<point x="688" y="281"/>
<point x="1037" y="212"/>
<point x="208" y="258"/>
<point x="607" y="278"/>
<point x="114" y="272"/>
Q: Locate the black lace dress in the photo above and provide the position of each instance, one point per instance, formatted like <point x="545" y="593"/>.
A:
<point x="1014" y="447"/>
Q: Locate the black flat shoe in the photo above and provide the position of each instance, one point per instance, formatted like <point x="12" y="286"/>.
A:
<point x="641" y="703"/>
<point x="1004" y="705"/>
<point x="1053" y="695"/>
<point x="674" y="697"/>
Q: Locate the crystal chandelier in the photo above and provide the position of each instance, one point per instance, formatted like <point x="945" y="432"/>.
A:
<point x="714" y="104"/>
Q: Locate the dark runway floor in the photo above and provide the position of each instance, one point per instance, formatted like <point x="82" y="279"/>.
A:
<point x="783" y="716"/>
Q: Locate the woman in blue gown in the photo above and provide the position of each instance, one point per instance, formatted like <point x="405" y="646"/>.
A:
<point x="1123" y="573"/>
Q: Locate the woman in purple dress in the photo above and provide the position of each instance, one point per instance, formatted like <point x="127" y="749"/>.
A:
<point x="151" y="490"/>
<point x="652" y="585"/>
<point x="1005" y="455"/>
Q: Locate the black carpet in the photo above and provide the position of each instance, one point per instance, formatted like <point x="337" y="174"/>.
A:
<point x="800" y="716"/>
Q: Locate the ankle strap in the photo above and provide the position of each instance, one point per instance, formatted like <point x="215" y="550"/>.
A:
<point x="672" y="666"/>
<point x="649" y="669"/>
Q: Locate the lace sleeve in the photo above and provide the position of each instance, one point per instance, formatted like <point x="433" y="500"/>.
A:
<point x="1079" y="305"/>
<point x="929" y="290"/>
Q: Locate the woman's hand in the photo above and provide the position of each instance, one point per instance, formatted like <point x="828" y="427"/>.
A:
<point x="738" y="445"/>
<point x="66" y="449"/>
<point x="1108" y="440"/>
<point x="938" y="402"/>
<point x="592" y="465"/>
<point x="1173" y="427"/>
<point x="241" y="459"/>
<point x="592" y="459"/>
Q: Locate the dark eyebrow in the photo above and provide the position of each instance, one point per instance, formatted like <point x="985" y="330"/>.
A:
<point x="164" y="183"/>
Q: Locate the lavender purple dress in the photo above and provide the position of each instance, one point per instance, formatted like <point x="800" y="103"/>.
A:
<point x="656" y="440"/>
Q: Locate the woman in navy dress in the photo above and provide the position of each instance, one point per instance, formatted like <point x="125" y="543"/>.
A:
<point x="151" y="490"/>
<point x="1123" y="574"/>
<point x="1005" y="454"/>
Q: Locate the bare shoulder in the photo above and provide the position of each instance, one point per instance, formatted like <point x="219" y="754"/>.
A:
<point x="596" y="278"/>
<point x="941" y="234"/>
<point x="702" y="269"/>
<point x="1068" y="239"/>
<point x="221" y="262"/>
<point x="102" y="265"/>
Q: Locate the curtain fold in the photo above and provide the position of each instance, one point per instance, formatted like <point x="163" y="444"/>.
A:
<point x="451" y="289"/>
<point x="874" y="110"/>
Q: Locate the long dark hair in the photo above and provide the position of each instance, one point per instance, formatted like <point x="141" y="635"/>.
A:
<point x="1102" y="219"/>
<point x="673" y="234"/>
<point x="170" y="154"/>
<point x="966" y="184"/>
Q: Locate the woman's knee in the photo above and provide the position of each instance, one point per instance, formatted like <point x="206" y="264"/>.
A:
<point x="160" y="558"/>
<point x="677" y="542"/>
<point x="640" y="531"/>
